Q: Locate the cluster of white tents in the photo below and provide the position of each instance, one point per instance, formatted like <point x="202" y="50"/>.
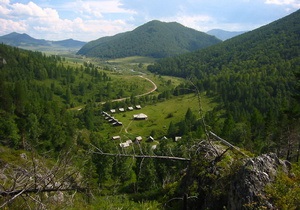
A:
<point x="130" y="108"/>
<point x="111" y="119"/>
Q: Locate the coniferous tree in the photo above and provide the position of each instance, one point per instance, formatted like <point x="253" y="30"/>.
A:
<point x="171" y="130"/>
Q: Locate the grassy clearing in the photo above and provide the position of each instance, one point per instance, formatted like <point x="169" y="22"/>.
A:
<point x="132" y="85"/>
<point x="114" y="202"/>
<point x="160" y="115"/>
<point x="165" y="82"/>
<point x="133" y="60"/>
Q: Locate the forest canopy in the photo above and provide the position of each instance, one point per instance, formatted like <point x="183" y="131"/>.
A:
<point x="253" y="76"/>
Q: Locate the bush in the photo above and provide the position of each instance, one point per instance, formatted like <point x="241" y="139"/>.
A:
<point x="284" y="193"/>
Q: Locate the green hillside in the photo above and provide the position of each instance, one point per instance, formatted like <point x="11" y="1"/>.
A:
<point x="154" y="39"/>
<point x="253" y="77"/>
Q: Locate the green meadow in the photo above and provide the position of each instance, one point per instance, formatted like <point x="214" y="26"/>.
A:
<point x="159" y="116"/>
<point x="133" y="60"/>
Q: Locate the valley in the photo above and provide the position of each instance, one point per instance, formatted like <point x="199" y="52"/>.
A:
<point x="161" y="110"/>
<point x="123" y="125"/>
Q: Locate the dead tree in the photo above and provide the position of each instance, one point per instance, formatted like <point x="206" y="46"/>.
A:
<point x="32" y="178"/>
<point x="142" y="156"/>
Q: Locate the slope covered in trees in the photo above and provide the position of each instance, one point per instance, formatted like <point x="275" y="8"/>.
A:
<point x="253" y="77"/>
<point x="37" y="90"/>
<point x="37" y="128"/>
<point x="155" y="39"/>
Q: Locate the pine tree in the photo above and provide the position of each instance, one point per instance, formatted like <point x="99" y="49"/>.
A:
<point x="171" y="130"/>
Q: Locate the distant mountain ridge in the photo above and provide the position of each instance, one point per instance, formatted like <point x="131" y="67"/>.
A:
<point x="69" y="43"/>
<point x="224" y="35"/>
<point x="16" y="39"/>
<point x="154" y="39"/>
<point x="26" y="41"/>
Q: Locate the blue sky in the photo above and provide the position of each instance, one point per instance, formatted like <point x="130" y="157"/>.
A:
<point x="87" y="20"/>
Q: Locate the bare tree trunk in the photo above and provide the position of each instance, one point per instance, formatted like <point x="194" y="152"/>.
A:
<point x="185" y="202"/>
<point x="298" y="151"/>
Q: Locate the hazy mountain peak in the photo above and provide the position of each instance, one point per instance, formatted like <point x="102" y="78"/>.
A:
<point x="223" y="34"/>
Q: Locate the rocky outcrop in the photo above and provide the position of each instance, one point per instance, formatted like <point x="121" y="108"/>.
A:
<point x="247" y="187"/>
<point x="222" y="177"/>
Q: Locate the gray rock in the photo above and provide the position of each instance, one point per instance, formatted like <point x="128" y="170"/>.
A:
<point x="247" y="186"/>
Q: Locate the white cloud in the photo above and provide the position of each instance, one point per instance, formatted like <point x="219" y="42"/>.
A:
<point x="4" y="10"/>
<point x="205" y="23"/>
<point x="4" y="2"/>
<point x="293" y="3"/>
<point x="85" y="30"/>
<point x="24" y="11"/>
<point x="46" y="22"/>
<point x="32" y="10"/>
<point x="8" y="26"/>
<point x="192" y="21"/>
<point x="92" y="8"/>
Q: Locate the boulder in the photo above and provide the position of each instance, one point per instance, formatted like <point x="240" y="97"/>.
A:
<point x="248" y="183"/>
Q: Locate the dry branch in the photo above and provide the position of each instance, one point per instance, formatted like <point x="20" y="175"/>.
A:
<point x="227" y="143"/>
<point x="143" y="156"/>
<point x="34" y="190"/>
<point x="36" y="176"/>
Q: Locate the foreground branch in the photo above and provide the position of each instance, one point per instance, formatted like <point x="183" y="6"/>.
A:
<point x="227" y="143"/>
<point x="34" y="190"/>
<point x="36" y="176"/>
<point x="143" y="156"/>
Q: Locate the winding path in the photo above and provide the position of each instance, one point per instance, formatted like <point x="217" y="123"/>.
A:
<point x="151" y="91"/>
<point x="123" y="99"/>
<point x="154" y="87"/>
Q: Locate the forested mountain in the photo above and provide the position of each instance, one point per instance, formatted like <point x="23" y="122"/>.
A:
<point x="155" y="39"/>
<point x="223" y="35"/>
<point x="16" y="39"/>
<point x="25" y="41"/>
<point x="253" y="77"/>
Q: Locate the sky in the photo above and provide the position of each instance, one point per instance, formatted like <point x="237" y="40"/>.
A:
<point x="88" y="20"/>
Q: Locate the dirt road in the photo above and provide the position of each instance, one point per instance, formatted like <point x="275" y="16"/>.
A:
<point x="152" y="90"/>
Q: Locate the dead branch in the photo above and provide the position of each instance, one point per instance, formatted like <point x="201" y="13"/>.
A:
<point x="35" y="176"/>
<point x="143" y="156"/>
<point x="219" y="157"/>
<point x="16" y="193"/>
<point x="227" y="143"/>
<point x="100" y="152"/>
<point x="201" y="113"/>
<point x="13" y="198"/>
